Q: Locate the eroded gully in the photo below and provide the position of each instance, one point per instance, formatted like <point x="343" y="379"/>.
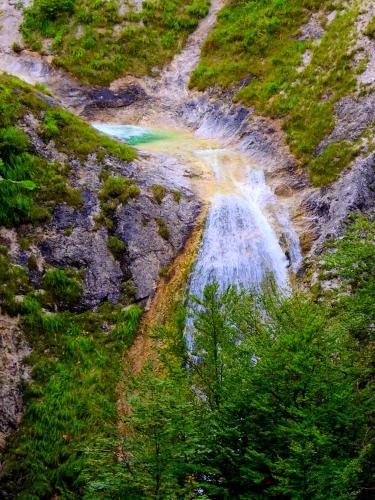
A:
<point x="247" y="232"/>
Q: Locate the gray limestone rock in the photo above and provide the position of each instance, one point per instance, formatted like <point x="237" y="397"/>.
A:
<point x="13" y="374"/>
<point x="330" y="207"/>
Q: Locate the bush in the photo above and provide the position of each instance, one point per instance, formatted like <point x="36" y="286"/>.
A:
<point x="119" y="188"/>
<point x="16" y="47"/>
<point x="116" y="246"/>
<point x="370" y="30"/>
<point x="163" y="230"/>
<point x="13" y="141"/>
<point x="51" y="9"/>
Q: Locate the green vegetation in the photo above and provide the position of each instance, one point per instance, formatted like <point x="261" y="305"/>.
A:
<point x="92" y="40"/>
<point x="163" y="230"/>
<point x="119" y="189"/>
<point x="16" y="47"/>
<point x="259" y="40"/>
<point x="277" y="402"/>
<point x="71" y="402"/>
<point x="326" y="167"/>
<point x="76" y="356"/>
<point x="177" y="196"/>
<point x="13" y="281"/>
<point x="115" y="190"/>
<point x="30" y="185"/>
<point x="159" y="192"/>
<point x="370" y="30"/>
<point x="72" y="135"/>
<point x="117" y="247"/>
<point x="61" y="289"/>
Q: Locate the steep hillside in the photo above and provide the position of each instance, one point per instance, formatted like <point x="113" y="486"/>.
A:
<point x="262" y="391"/>
<point x="85" y="232"/>
<point x="100" y="41"/>
<point x="308" y="63"/>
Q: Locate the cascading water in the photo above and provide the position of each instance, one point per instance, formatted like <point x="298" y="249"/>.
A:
<point x="245" y="222"/>
<point x="240" y="243"/>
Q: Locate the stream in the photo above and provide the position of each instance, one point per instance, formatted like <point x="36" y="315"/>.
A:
<point x="244" y="224"/>
<point x="248" y="234"/>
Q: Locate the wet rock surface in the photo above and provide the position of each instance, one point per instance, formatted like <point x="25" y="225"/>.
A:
<point x="107" y="98"/>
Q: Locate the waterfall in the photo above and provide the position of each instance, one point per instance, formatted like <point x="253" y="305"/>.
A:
<point x="240" y="244"/>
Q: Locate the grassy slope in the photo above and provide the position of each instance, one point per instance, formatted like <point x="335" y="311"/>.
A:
<point x="83" y="38"/>
<point x="32" y="186"/>
<point x="260" y="39"/>
<point x="76" y="357"/>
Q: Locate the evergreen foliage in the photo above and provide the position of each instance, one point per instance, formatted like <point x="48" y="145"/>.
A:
<point x="274" y="402"/>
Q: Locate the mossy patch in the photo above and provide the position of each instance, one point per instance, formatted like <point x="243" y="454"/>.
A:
<point x="159" y="192"/>
<point x="162" y="229"/>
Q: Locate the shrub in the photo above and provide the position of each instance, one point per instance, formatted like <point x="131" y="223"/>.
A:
<point x="163" y="230"/>
<point x="13" y="281"/>
<point x="13" y="141"/>
<point x="119" y="188"/>
<point x="32" y="263"/>
<point x="177" y="196"/>
<point x="116" y="246"/>
<point x="51" y="9"/>
<point x="16" y="47"/>
<point x="370" y="30"/>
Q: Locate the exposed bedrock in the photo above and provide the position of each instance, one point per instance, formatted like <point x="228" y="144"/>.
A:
<point x="153" y="230"/>
<point x="13" y="374"/>
<point x="330" y="207"/>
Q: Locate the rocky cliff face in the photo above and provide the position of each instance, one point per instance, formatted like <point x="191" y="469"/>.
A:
<point x="75" y="237"/>
<point x="14" y="373"/>
<point x="151" y="231"/>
